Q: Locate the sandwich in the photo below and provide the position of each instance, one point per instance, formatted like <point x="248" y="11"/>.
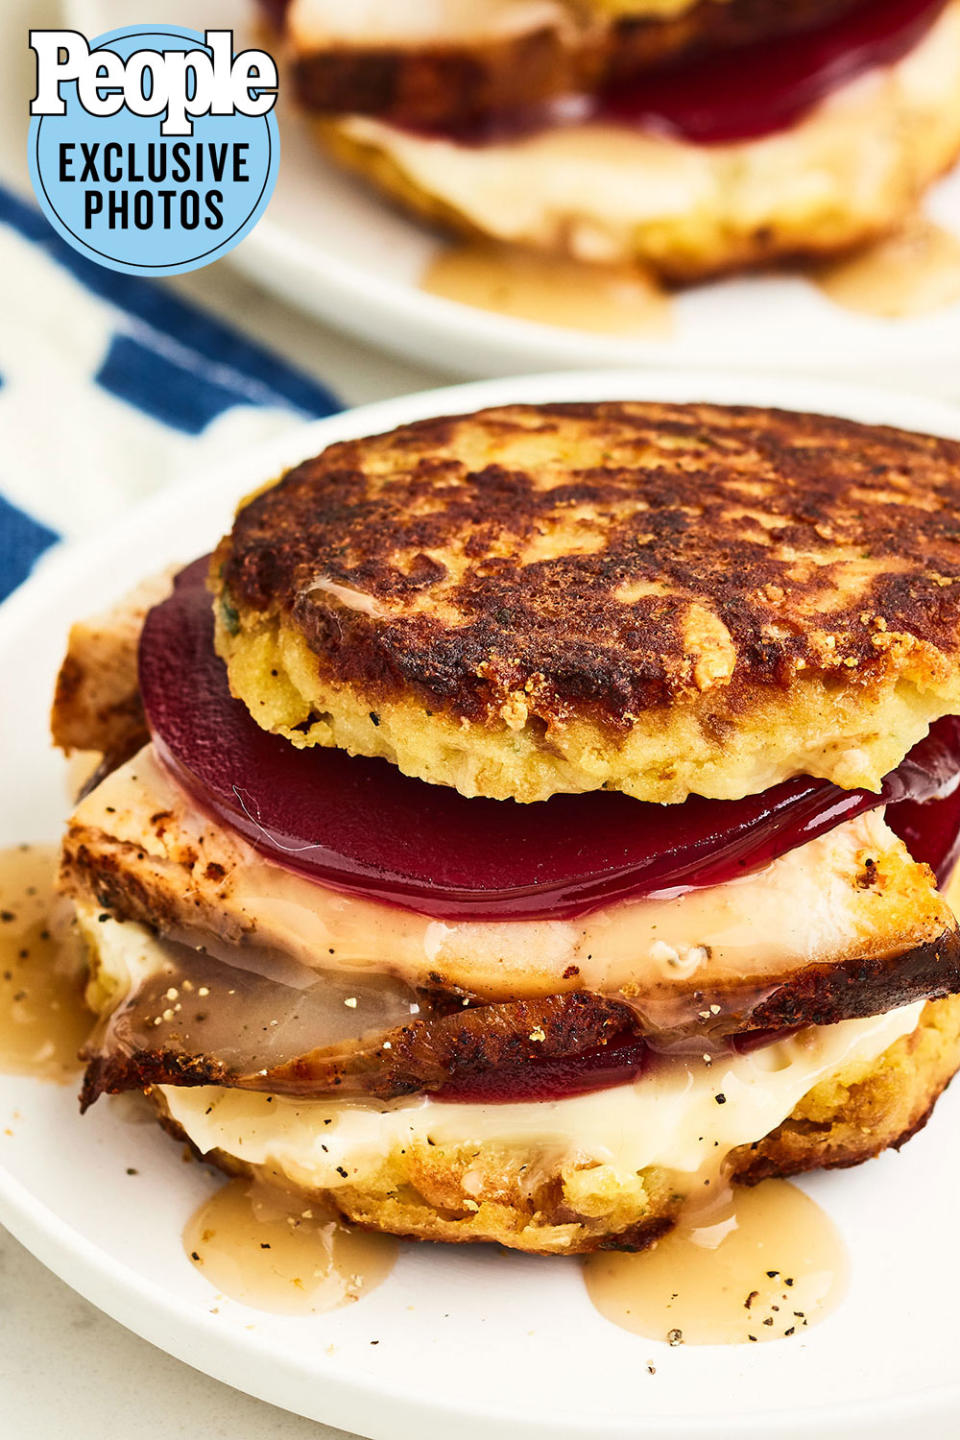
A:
<point x="527" y="819"/>
<point x="691" y="136"/>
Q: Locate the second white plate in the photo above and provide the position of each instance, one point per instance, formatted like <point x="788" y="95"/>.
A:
<point x="330" y="246"/>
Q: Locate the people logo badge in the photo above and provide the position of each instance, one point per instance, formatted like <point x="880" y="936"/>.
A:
<point x="153" y="149"/>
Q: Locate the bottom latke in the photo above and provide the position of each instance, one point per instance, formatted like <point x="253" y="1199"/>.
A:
<point x="464" y="1193"/>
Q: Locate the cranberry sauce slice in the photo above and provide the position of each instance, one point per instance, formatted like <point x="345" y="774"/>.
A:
<point x="359" y="825"/>
<point x="770" y="84"/>
<point x="554" y="1078"/>
<point x="738" y="93"/>
<point x="931" y="832"/>
<point x="275" y="11"/>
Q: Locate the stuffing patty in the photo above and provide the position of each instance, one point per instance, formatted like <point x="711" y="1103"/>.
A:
<point x="658" y="599"/>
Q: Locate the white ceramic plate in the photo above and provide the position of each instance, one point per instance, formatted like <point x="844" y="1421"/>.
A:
<point x="472" y="1342"/>
<point x="332" y="247"/>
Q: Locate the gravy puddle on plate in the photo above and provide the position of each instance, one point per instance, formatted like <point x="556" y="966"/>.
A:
<point x="43" y="1019"/>
<point x="913" y="272"/>
<point x="551" y="290"/>
<point x="275" y="1251"/>
<point x="761" y="1263"/>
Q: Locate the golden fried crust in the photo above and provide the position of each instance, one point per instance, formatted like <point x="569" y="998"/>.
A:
<point x="452" y="85"/>
<point x="479" y="1193"/>
<point x="662" y="599"/>
<point x="849" y="1117"/>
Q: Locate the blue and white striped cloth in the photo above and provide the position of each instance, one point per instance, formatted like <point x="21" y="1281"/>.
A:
<point x="109" y="384"/>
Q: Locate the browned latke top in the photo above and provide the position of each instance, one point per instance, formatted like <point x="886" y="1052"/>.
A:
<point x="610" y="557"/>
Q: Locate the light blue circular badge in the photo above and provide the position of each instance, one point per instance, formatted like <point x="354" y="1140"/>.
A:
<point x="153" y="149"/>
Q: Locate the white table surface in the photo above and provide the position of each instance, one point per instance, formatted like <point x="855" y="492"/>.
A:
<point x="67" y="1372"/>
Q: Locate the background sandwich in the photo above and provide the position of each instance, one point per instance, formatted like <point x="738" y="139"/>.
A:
<point x="693" y="137"/>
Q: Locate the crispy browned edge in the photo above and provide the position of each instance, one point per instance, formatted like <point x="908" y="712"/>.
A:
<point x="96" y="702"/>
<point x="86" y="717"/>
<point x="597" y="657"/>
<point x="455" y="87"/>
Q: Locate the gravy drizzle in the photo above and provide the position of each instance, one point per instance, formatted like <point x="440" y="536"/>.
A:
<point x="551" y="290"/>
<point x="756" y="1264"/>
<point x="276" y="1251"/>
<point x="751" y="1265"/>
<point x="915" y="271"/>
<point x="43" y="1019"/>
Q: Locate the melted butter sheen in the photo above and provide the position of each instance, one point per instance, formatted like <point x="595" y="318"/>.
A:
<point x="43" y="1020"/>
<point x="551" y="290"/>
<point x="913" y="272"/>
<point x="274" y="1251"/>
<point x="762" y="1264"/>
